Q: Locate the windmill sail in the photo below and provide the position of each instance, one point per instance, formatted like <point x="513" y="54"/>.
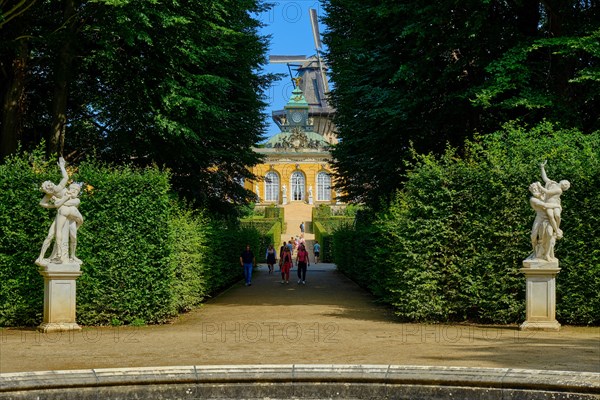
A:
<point x="287" y="59"/>
<point x="313" y="84"/>
<point x="314" y="22"/>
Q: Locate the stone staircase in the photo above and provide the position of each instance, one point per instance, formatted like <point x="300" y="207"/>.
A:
<point x="296" y="213"/>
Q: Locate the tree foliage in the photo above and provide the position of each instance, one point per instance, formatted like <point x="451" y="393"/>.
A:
<point x="424" y="74"/>
<point x="172" y="83"/>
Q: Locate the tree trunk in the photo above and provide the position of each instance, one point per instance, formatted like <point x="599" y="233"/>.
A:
<point x="13" y="102"/>
<point x="56" y="140"/>
<point x="528" y="18"/>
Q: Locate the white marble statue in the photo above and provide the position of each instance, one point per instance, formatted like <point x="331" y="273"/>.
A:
<point x="68" y="220"/>
<point x="257" y="190"/>
<point x="546" y="230"/>
<point x="284" y="190"/>
<point x="310" y="191"/>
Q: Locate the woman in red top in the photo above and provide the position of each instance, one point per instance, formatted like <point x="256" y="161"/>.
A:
<point x="286" y="264"/>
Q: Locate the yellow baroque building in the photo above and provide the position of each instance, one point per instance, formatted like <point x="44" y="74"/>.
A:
<point x="296" y="165"/>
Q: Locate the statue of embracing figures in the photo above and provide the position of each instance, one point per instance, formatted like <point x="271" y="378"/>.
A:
<point x="68" y="219"/>
<point x="546" y="230"/>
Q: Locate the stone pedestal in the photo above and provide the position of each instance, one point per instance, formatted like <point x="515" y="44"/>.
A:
<point x="540" y="295"/>
<point x="285" y="200"/>
<point x="310" y="199"/>
<point x="59" y="297"/>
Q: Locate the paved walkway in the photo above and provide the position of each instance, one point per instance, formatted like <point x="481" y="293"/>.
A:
<point x="330" y="320"/>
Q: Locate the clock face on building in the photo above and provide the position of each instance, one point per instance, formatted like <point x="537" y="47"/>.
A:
<point x="296" y="116"/>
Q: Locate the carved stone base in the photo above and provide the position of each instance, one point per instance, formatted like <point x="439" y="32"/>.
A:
<point x="59" y="297"/>
<point x="540" y="295"/>
<point x="538" y="263"/>
<point x="49" y="327"/>
<point x="540" y="326"/>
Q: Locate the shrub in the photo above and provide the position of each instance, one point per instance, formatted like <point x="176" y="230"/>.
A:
<point x="222" y="259"/>
<point x="23" y="227"/>
<point x="125" y="246"/>
<point x="145" y="258"/>
<point x="453" y="240"/>
<point x="324" y="225"/>
<point x="189" y="247"/>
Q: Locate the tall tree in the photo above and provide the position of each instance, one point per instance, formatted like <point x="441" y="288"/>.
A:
<point x="422" y="74"/>
<point x="180" y="85"/>
<point x="176" y="83"/>
<point x="14" y="55"/>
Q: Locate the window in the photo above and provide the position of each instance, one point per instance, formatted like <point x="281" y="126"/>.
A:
<point x="323" y="187"/>
<point x="272" y="187"/>
<point x="297" y="186"/>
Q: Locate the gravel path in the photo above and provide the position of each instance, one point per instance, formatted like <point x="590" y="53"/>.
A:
<point x="330" y="320"/>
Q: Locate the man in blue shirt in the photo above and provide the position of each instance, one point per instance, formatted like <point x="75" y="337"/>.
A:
<point x="248" y="261"/>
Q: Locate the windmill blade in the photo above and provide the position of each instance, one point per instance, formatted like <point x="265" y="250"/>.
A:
<point x="286" y="59"/>
<point x="314" y="22"/>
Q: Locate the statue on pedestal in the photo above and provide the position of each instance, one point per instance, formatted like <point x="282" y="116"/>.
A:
<point x="66" y="223"/>
<point x="541" y="267"/>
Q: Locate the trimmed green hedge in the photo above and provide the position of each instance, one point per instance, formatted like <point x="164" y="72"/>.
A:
<point x="124" y="243"/>
<point x="222" y="258"/>
<point x="450" y="245"/>
<point x="323" y="236"/>
<point x="23" y="228"/>
<point x="145" y="258"/>
<point x="324" y="224"/>
<point x="269" y="229"/>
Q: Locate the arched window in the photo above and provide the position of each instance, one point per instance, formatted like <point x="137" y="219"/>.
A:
<point x="297" y="186"/>
<point x="323" y="186"/>
<point x="272" y="187"/>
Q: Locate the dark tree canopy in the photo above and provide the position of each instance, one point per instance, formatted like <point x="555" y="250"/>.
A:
<point x="173" y="83"/>
<point x="425" y="74"/>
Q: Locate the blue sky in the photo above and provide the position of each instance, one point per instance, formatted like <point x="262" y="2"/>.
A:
<point x="288" y="23"/>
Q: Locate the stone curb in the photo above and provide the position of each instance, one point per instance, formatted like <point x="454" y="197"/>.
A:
<point x="463" y="377"/>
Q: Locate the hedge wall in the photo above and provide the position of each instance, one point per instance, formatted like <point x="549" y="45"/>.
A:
<point x="269" y="229"/>
<point x="23" y="228"/>
<point x="145" y="258"/>
<point x="323" y="236"/>
<point x="450" y="244"/>
<point x="324" y="224"/>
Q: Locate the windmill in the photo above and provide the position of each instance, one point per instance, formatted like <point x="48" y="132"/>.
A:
<point x="313" y="84"/>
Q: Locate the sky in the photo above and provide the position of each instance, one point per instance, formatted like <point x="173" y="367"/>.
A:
<point x="288" y="23"/>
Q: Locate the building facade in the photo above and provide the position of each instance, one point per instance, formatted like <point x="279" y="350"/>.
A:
<point x="297" y="160"/>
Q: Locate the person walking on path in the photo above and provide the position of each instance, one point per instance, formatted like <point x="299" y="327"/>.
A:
<point x="271" y="257"/>
<point x="281" y="251"/>
<point x="303" y="263"/>
<point x="302" y="229"/>
<point x="248" y="261"/>
<point x="317" y="251"/>
<point x="286" y="265"/>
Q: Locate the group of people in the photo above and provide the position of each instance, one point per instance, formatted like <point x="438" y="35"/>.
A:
<point x="284" y="259"/>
